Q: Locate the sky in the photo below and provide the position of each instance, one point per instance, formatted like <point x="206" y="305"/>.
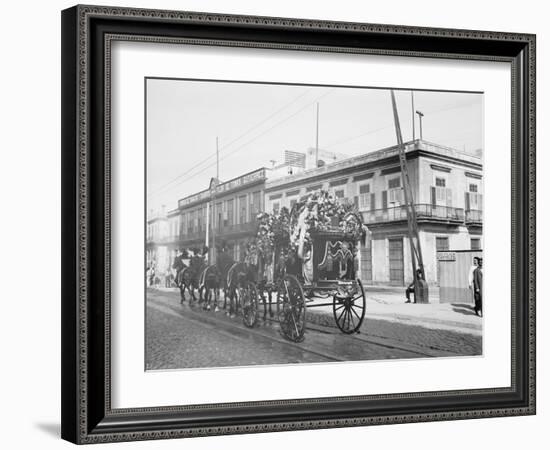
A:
<point x="256" y="123"/>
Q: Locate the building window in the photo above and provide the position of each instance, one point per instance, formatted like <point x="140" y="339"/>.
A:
<point x="442" y="244"/>
<point x="242" y="209"/>
<point x="394" y="183"/>
<point x="192" y="218"/>
<point x="339" y="193"/>
<point x="255" y="206"/>
<point x="395" y="193"/>
<point x="364" y="196"/>
<point x="440" y="182"/>
<point x="292" y="203"/>
<point x="475" y="244"/>
<point x="440" y="196"/>
<point x="229" y="219"/>
<point x="276" y="207"/>
<point x="473" y="188"/>
<point x="219" y="216"/>
<point x="473" y="201"/>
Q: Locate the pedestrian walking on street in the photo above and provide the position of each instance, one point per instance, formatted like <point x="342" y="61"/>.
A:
<point x="478" y="288"/>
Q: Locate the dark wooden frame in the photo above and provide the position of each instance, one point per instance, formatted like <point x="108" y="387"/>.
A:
<point x="87" y="32"/>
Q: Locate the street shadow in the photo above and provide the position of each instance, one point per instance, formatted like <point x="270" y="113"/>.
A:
<point x="463" y="308"/>
<point x="53" y="429"/>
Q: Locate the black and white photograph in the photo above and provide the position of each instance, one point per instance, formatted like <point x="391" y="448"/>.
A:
<point x="299" y="224"/>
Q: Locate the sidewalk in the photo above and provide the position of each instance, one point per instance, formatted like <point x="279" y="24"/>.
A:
<point x="388" y="303"/>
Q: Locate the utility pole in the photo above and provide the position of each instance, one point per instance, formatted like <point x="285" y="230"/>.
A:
<point x="317" y="138"/>
<point x="213" y="208"/>
<point x="412" y="109"/>
<point x="420" y="115"/>
<point x="420" y="286"/>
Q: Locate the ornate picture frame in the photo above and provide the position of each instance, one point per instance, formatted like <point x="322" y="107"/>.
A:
<point x="88" y="33"/>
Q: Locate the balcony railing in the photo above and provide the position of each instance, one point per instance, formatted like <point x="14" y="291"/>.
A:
<point x="249" y="227"/>
<point x="238" y="228"/>
<point x="423" y="212"/>
<point x="474" y="216"/>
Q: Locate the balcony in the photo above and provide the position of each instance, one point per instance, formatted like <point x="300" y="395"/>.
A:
<point x="225" y="231"/>
<point x="474" y="217"/>
<point x="164" y="240"/>
<point x="424" y="212"/>
<point x="236" y="228"/>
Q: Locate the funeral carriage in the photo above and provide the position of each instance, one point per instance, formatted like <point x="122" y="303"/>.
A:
<point x="306" y="258"/>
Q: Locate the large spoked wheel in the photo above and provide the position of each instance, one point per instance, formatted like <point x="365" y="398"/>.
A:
<point x="349" y="309"/>
<point x="249" y="304"/>
<point x="291" y="309"/>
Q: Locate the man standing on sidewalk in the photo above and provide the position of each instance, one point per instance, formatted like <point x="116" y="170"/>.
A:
<point x="478" y="288"/>
<point x="410" y="288"/>
<point x="471" y="276"/>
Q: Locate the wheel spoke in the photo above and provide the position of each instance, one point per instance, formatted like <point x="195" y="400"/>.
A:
<point x="352" y="321"/>
<point x="340" y="316"/>
<point x="356" y="315"/>
<point x="346" y="317"/>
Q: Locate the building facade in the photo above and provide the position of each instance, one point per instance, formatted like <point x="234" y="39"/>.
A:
<point x="446" y="184"/>
<point x="224" y="212"/>
<point x="447" y="188"/>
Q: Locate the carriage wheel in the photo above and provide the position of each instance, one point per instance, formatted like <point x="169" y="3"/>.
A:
<point x="349" y="311"/>
<point x="249" y="304"/>
<point x="291" y="309"/>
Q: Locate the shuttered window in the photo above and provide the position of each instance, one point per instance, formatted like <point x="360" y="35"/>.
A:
<point x="364" y="196"/>
<point x="242" y="209"/>
<point x="229" y="212"/>
<point x="441" y="196"/>
<point x="255" y="206"/>
<point x="473" y="201"/>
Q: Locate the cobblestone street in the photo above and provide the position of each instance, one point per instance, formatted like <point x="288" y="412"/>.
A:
<point x="185" y="336"/>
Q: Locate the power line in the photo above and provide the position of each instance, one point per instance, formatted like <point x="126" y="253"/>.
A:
<point x="352" y="138"/>
<point x="230" y="143"/>
<point x="256" y="137"/>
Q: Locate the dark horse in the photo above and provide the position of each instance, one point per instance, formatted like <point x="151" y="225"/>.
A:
<point x="209" y="284"/>
<point x="189" y="277"/>
<point x="236" y="278"/>
<point x="214" y="278"/>
<point x="253" y="272"/>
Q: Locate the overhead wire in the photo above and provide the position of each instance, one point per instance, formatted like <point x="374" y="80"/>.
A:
<point x="160" y="189"/>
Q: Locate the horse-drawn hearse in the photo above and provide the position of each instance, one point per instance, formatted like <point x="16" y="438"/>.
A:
<point x="306" y="258"/>
<point x="299" y="259"/>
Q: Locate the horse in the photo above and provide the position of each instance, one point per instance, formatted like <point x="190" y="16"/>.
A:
<point x="210" y="283"/>
<point x="236" y="277"/>
<point x="189" y="278"/>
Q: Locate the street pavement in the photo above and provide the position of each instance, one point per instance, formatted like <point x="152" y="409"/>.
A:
<point x="185" y="336"/>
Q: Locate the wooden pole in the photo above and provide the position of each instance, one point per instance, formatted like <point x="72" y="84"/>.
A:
<point x="317" y="138"/>
<point x="412" y="106"/>
<point x="414" y="238"/>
